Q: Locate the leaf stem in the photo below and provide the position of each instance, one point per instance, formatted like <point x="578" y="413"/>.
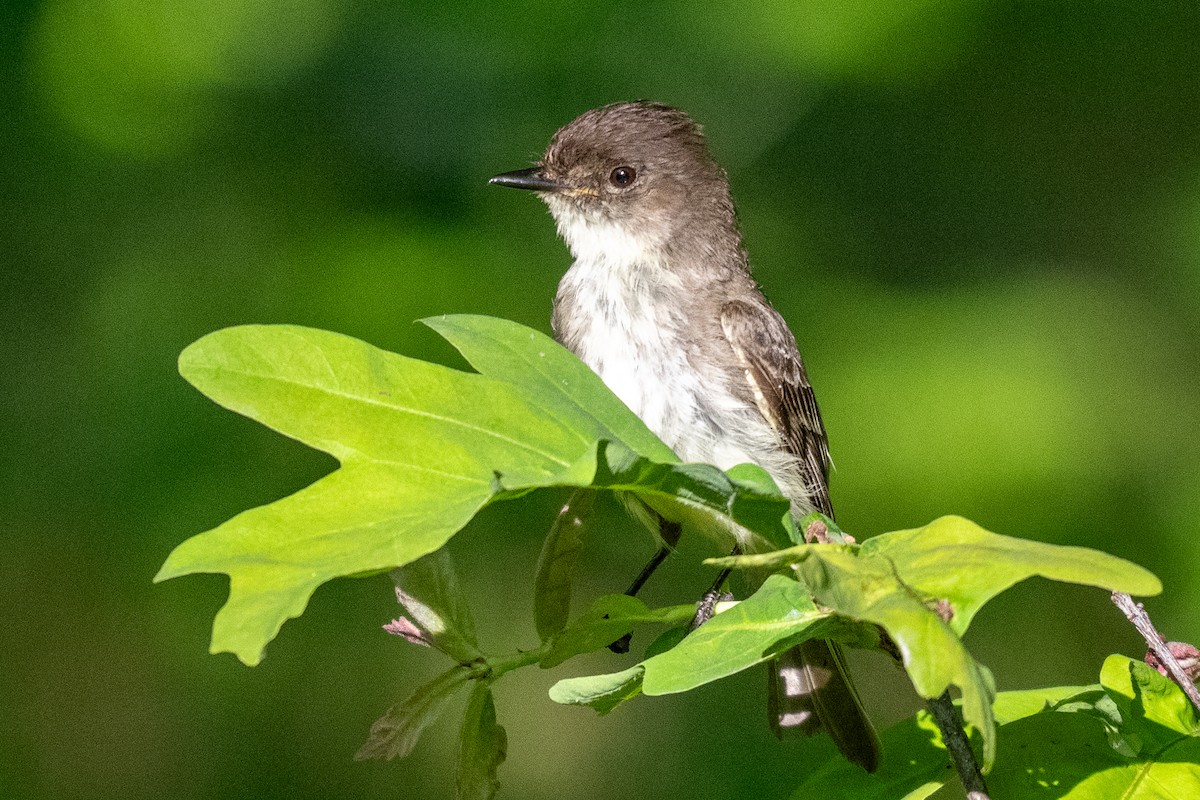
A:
<point x="522" y="658"/>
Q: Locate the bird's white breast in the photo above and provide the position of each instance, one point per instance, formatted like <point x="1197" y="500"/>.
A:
<point x="618" y="328"/>
<point x="614" y="327"/>
<point x="619" y="310"/>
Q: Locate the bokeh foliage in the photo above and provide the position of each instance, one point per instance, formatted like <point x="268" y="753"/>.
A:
<point x="981" y="218"/>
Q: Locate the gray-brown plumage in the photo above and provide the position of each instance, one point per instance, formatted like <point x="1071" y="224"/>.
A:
<point x="660" y="303"/>
<point x="765" y="348"/>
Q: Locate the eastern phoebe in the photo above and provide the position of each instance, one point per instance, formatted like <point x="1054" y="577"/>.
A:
<point x="660" y="303"/>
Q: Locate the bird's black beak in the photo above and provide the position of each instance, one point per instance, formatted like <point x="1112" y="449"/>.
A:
<point x="531" y="178"/>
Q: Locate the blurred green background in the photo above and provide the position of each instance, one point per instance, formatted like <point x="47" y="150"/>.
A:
<point x="981" y="218"/>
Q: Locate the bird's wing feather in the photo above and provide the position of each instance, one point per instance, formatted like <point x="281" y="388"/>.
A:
<point x="767" y="353"/>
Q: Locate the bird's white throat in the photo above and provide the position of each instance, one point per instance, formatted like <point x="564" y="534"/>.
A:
<point x="594" y="237"/>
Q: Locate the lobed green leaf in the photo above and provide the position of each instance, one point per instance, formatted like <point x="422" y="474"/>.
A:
<point x="867" y="590"/>
<point x="955" y="560"/>
<point x="1140" y="692"/>
<point x="701" y="496"/>
<point x="985" y="564"/>
<point x="422" y="449"/>
<point x="924" y="587"/>
<point x="1012" y="706"/>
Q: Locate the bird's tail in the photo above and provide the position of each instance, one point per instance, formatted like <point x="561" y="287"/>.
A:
<point x="810" y="690"/>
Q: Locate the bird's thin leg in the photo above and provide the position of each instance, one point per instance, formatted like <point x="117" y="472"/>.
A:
<point x="648" y="570"/>
<point x="669" y="532"/>
<point x="708" y="603"/>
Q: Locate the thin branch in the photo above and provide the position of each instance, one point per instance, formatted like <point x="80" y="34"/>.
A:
<point x="1141" y="620"/>
<point x="949" y="721"/>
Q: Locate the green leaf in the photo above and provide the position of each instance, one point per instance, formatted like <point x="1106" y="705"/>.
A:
<point x="601" y="692"/>
<point x="757" y="482"/>
<point x="484" y="747"/>
<point x="985" y="564"/>
<point x="610" y="618"/>
<point x="1142" y="693"/>
<point x="1012" y="706"/>
<point x="699" y="495"/>
<point x="395" y="734"/>
<point x="1134" y="736"/>
<point x="1137" y="740"/>
<point x="556" y="565"/>
<point x="552" y="378"/>
<point x="868" y="590"/>
<point x="1069" y="742"/>
<point x="669" y="638"/>
<point x="1070" y="752"/>
<point x="780" y="614"/>
<point x="428" y="590"/>
<point x="894" y="580"/>
<point x="913" y="767"/>
<point x="422" y="449"/>
<point x="954" y="559"/>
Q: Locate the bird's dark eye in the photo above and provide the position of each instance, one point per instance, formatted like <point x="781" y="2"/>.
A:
<point x="622" y="177"/>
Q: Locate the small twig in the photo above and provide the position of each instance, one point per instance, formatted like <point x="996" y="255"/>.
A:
<point x="1141" y="620"/>
<point x="949" y="721"/>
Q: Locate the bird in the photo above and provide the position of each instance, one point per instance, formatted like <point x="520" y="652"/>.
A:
<point x="660" y="303"/>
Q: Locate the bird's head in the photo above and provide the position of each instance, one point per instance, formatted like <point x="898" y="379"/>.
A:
<point x="625" y="179"/>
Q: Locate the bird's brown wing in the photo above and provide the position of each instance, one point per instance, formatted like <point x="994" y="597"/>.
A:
<point x="809" y="686"/>
<point x="767" y="352"/>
